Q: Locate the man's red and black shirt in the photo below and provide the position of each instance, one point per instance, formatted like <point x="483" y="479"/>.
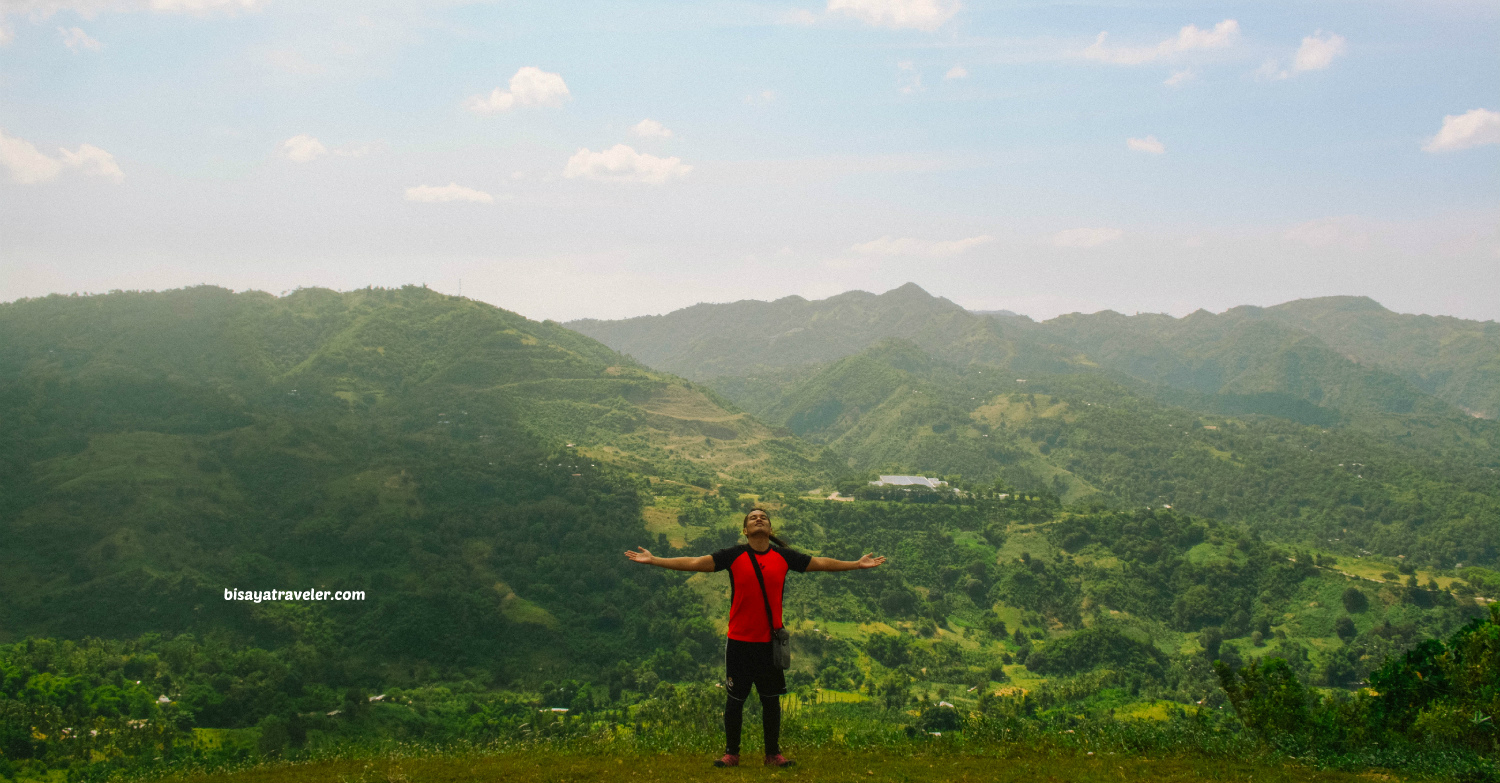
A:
<point x="747" y="612"/>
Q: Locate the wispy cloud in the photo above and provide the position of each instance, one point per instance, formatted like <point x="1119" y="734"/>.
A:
<point x="1086" y="237"/>
<point x="1148" y="144"/>
<point x="1179" y="78"/>
<point x="926" y="15"/>
<point x="908" y="78"/>
<point x="29" y="166"/>
<point x="77" y="40"/>
<point x="1329" y="232"/>
<point x="1473" y="128"/>
<point x="304" y="148"/>
<point x="530" y="86"/>
<point x="1188" y="39"/>
<point x="39" y="10"/>
<point x="908" y="246"/>
<point x="620" y="163"/>
<point x="451" y="192"/>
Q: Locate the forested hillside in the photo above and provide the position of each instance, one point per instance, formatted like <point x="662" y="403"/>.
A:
<point x="1245" y="417"/>
<point x="448" y="458"/>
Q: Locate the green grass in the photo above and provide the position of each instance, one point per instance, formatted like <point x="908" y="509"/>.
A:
<point x="822" y="766"/>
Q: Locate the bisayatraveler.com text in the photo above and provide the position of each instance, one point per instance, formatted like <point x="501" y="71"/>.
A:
<point x="293" y="595"/>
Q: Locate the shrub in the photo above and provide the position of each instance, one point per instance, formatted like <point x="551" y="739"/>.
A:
<point x="1355" y="600"/>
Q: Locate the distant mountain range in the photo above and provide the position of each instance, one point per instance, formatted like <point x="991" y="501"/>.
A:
<point x="1252" y="415"/>
<point x="1339" y="352"/>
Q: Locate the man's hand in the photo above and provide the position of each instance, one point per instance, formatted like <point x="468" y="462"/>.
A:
<point x="829" y="564"/>
<point x="699" y="563"/>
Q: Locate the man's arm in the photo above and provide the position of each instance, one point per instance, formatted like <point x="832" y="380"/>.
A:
<point x="829" y="564"/>
<point x="699" y="563"/>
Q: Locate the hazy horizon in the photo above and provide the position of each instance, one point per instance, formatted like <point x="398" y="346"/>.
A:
<point x="935" y="294"/>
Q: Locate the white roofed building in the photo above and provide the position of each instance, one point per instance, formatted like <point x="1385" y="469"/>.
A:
<point x="908" y="481"/>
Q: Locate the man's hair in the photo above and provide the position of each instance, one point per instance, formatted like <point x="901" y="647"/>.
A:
<point x="775" y="539"/>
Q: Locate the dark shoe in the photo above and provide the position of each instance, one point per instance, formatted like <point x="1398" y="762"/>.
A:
<point x="728" y="760"/>
<point x="779" y="760"/>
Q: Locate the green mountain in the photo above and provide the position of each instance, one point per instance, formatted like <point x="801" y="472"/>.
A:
<point x="1451" y="358"/>
<point x="447" y="457"/>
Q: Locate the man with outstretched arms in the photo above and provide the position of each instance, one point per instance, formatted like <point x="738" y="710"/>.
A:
<point x="747" y="652"/>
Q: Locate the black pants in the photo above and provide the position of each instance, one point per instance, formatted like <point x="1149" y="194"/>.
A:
<point x="747" y="664"/>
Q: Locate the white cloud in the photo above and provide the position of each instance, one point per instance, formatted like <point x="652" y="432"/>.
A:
<point x="1317" y="52"/>
<point x="92" y="160"/>
<point x="1188" y="39"/>
<point x="907" y="246"/>
<point x="651" y="129"/>
<point x="29" y="166"/>
<point x="1148" y="144"/>
<point x="433" y="194"/>
<point x="925" y="15"/>
<point x="76" y="39"/>
<point x="1179" y="78"/>
<point x="1086" y="237"/>
<point x="303" y="148"/>
<point x="26" y="164"/>
<point x="956" y="72"/>
<point x="1473" y="128"/>
<point x="530" y="86"/>
<point x="623" y="164"/>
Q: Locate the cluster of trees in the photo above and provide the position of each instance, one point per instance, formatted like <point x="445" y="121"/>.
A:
<point x="1444" y="692"/>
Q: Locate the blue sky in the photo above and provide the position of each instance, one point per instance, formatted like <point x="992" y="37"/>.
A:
<point x="1001" y="154"/>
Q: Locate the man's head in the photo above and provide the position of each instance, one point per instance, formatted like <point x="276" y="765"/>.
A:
<point x="758" y="523"/>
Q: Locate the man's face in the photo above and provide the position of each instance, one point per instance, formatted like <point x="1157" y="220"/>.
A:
<point x="758" y="522"/>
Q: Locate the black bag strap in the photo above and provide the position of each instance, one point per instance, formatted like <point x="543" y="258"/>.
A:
<point x="764" y="596"/>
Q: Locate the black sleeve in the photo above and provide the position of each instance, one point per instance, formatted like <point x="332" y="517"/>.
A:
<point x="795" y="560"/>
<point x="724" y="557"/>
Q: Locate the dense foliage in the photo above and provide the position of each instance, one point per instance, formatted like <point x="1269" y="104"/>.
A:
<point x="1440" y="692"/>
